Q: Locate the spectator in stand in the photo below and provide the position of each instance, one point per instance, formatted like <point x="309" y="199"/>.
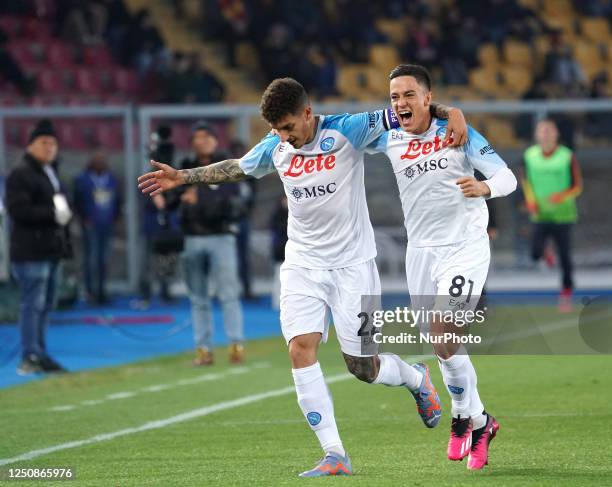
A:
<point x="203" y="86"/>
<point x="278" y="226"/>
<point x="97" y="203"/>
<point x="562" y="72"/>
<point x="82" y="22"/>
<point x="600" y="124"/>
<point x="12" y="72"/>
<point x="422" y="45"/>
<point x="209" y="217"/>
<point x="551" y="183"/>
<point x="39" y="214"/>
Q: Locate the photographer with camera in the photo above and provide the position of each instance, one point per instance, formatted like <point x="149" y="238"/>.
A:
<point x="163" y="238"/>
<point x="209" y="219"/>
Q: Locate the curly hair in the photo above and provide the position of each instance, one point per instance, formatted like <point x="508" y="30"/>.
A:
<point x="284" y="96"/>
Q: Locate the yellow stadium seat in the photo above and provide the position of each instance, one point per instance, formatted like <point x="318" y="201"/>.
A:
<point x="595" y="29"/>
<point x="589" y="57"/>
<point x="532" y="4"/>
<point x="488" y="55"/>
<point x="384" y="57"/>
<point x="518" y="53"/>
<point x="484" y="80"/>
<point x="499" y="132"/>
<point x="246" y="56"/>
<point x="609" y="50"/>
<point x="517" y="79"/>
<point x="559" y="7"/>
<point x="353" y="80"/>
<point x="566" y="24"/>
<point x="396" y="30"/>
<point x="378" y="82"/>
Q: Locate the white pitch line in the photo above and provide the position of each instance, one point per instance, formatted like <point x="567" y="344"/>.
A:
<point x="162" y="387"/>
<point x="152" y="425"/>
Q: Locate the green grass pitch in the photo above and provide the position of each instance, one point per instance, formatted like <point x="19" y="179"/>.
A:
<point x="554" y="411"/>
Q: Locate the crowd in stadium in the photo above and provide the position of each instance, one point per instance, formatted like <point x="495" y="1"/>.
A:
<point x="48" y="47"/>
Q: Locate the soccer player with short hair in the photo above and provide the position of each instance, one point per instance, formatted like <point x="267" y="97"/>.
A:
<point x="329" y="258"/>
<point x="447" y="258"/>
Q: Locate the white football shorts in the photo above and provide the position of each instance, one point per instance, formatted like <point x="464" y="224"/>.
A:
<point x="311" y="299"/>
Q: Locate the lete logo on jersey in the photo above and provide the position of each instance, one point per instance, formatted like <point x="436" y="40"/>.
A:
<point x="300" y="165"/>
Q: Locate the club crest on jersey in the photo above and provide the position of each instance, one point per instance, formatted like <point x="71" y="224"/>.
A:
<point x="417" y="148"/>
<point x="300" y="165"/>
<point x="313" y="418"/>
<point x="311" y="192"/>
<point x="327" y="143"/>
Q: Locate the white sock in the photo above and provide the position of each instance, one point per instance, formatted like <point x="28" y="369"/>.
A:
<point x="316" y="403"/>
<point x="395" y="372"/>
<point x="479" y="419"/>
<point x="459" y="375"/>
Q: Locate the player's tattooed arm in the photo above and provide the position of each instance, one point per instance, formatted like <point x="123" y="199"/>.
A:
<point x="364" y="368"/>
<point x="457" y="127"/>
<point x="227" y="171"/>
<point x="166" y="178"/>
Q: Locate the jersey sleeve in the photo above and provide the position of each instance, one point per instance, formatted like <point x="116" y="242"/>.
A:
<point x="361" y="129"/>
<point x="500" y="179"/>
<point x="481" y="154"/>
<point x="259" y="161"/>
<point x="379" y="145"/>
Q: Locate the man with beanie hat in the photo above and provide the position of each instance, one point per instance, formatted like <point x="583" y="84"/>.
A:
<point x="209" y="219"/>
<point x="39" y="214"/>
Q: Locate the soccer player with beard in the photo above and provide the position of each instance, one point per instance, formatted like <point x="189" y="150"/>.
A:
<point x="329" y="258"/>
<point x="447" y="257"/>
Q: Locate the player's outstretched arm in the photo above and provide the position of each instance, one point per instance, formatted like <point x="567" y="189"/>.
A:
<point x="457" y="126"/>
<point x="167" y="178"/>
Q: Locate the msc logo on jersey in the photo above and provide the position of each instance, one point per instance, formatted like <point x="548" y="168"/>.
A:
<point x="312" y="192"/>
<point x="425" y="166"/>
<point x="327" y="144"/>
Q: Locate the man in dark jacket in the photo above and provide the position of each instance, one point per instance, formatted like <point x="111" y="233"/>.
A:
<point x="209" y="217"/>
<point x="39" y="214"/>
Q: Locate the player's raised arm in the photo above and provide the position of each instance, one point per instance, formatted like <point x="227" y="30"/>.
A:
<point x="167" y="178"/>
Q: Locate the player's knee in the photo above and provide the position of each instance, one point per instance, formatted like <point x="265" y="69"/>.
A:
<point x="302" y="351"/>
<point x="364" y="368"/>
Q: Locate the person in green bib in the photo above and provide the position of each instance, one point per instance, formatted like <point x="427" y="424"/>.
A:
<point x="551" y="183"/>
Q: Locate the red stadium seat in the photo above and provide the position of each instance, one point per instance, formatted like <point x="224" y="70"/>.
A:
<point x="88" y="81"/>
<point x="97" y="56"/>
<point x="34" y="29"/>
<point x="126" y="81"/>
<point x="52" y="82"/>
<point x="22" y="52"/>
<point x="70" y="134"/>
<point x="11" y="25"/>
<point x="59" y="55"/>
<point x="109" y="134"/>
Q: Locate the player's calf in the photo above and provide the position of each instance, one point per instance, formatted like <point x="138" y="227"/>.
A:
<point x="364" y="368"/>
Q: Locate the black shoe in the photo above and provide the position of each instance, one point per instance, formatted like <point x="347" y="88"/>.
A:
<point x="30" y="365"/>
<point x="51" y="366"/>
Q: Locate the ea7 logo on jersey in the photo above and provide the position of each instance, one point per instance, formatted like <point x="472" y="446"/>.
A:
<point x="299" y="194"/>
<point x="300" y="165"/>
<point x="425" y="166"/>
